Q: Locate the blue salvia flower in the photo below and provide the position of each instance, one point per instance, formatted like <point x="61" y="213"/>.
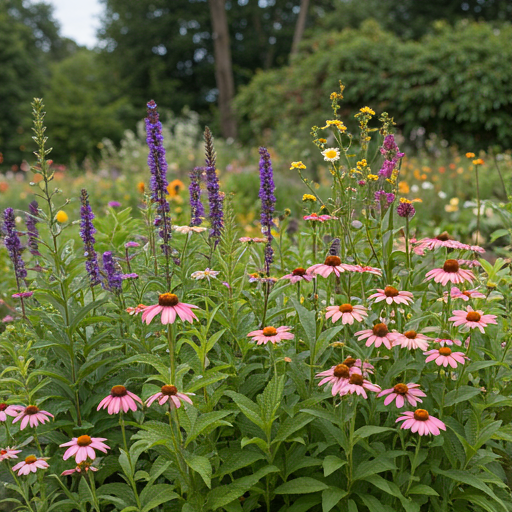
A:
<point x="215" y="197"/>
<point x="87" y="231"/>
<point x="32" y="231"/>
<point x="114" y="279"/>
<point x="268" y="202"/>
<point x="13" y="245"/>
<point x="158" y="167"/>
<point x="196" y="206"/>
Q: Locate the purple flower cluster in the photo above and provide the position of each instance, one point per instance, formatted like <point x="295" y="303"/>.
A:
<point x="391" y="156"/>
<point x="87" y="231"/>
<point x="383" y="198"/>
<point x="196" y="206"/>
<point x="32" y="231"/>
<point x="158" y="167"/>
<point x="13" y="245"/>
<point x="268" y="201"/>
<point x="114" y="281"/>
<point x="406" y="210"/>
<point x="215" y="198"/>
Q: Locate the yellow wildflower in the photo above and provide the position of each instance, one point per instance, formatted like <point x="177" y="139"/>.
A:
<point x="175" y="187"/>
<point x="478" y="161"/>
<point x="404" y="200"/>
<point x="141" y="187"/>
<point x="367" y="110"/>
<point x="308" y="197"/>
<point x="372" y="177"/>
<point x="403" y="187"/>
<point x="417" y="200"/>
<point x="61" y="216"/>
<point x="470" y="155"/>
<point x="341" y="127"/>
<point x="297" y="165"/>
<point x="322" y="141"/>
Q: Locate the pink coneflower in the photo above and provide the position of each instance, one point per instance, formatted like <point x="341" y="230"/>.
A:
<point x="33" y="415"/>
<point x="470" y="263"/>
<point x="136" y="310"/>
<point x="319" y="218"/>
<point x="249" y="240"/>
<point x="420" y="421"/>
<point x="120" y="399"/>
<point x="338" y="376"/>
<point x="271" y="334"/>
<point x="30" y="465"/>
<point x="299" y="274"/>
<point x="466" y="295"/>
<point x="8" y="453"/>
<point x="330" y="265"/>
<point x="169" y="306"/>
<point x="9" y="410"/>
<point x="347" y="313"/>
<point x="444" y="356"/>
<point x="401" y="392"/>
<point x="367" y="269"/>
<point x="358" y="384"/>
<point x="83" y="447"/>
<point x="169" y="392"/>
<point x="472" y="319"/>
<point x="22" y="295"/>
<point x="390" y="294"/>
<point x="451" y="271"/>
<point x="379" y="335"/>
<point x="411" y="340"/>
<point x="79" y="469"/>
<point x="364" y="366"/>
<point x="444" y="341"/>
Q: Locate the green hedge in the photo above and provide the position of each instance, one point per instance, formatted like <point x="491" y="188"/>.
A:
<point x="456" y="83"/>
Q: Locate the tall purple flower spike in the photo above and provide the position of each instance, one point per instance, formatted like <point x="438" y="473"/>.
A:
<point x="13" y="245"/>
<point x="87" y="231"/>
<point x="196" y="206"/>
<point x="32" y="231"/>
<point x="215" y="198"/>
<point x="268" y="202"/>
<point x="114" y="280"/>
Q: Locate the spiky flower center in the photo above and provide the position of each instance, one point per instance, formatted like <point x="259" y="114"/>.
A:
<point x="356" y="379"/>
<point x="30" y="459"/>
<point x="118" y="391"/>
<point x="390" y="291"/>
<point x="350" y="361"/>
<point x="443" y="237"/>
<point x="401" y="389"/>
<point x="31" y="409"/>
<point x="467" y="294"/>
<point x="332" y="261"/>
<point x="411" y="334"/>
<point x="3" y="452"/>
<point x="84" y="441"/>
<point x="3" y="407"/>
<point x="451" y="266"/>
<point x="169" y="390"/>
<point x="299" y="272"/>
<point x="473" y="316"/>
<point x="269" y="331"/>
<point x="420" y="415"/>
<point x="380" y="330"/>
<point x="167" y="299"/>
<point x="346" y="308"/>
<point x="342" y="371"/>
<point x="445" y="351"/>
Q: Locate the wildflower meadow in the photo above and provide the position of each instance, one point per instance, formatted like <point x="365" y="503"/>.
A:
<point x="355" y="361"/>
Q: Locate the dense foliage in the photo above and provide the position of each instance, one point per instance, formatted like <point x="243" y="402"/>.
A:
<point x="337" y="365"/>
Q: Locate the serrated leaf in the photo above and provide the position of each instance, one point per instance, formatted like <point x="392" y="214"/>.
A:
<point x="202" y="466"/>
<point x="291" y="425"/>
<point x="460" y="395"/>
<point x="154" y="495"/>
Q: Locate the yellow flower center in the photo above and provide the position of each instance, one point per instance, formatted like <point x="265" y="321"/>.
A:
<point x="331" y="153"/>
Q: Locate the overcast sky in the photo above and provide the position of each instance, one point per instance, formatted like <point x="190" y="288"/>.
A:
<point x="79" y="19"/>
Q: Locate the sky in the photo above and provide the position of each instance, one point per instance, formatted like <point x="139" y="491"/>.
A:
<point x="79" y="19"/>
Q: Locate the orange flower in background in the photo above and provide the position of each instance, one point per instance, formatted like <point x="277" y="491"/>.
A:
<point x="478" y="161"/>
<point x="4" y="187"/>
<point x="175" y="187"/>
<point x="442" y="170"/>
<point x="141" y="187"/>
<point x="403" y="187"/>
<point x="470" y="155"/>
<point x="452" y="166"/>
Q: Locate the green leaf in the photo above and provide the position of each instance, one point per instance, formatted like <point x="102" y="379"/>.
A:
<point x="202" y="466"/>
<point x="82" y="313"/>
<point x="152" y="360"/>
<point x="460" y="395"/>
<point x="248" y="408"/>
<point x="423" y="489"/>
<point x="332" y="463"/>
<point x="308" y="321"/>
<point x="236" y="461"/>
<point x="369" y="430"/>
<point x="154" y="495"/>
<point x="291" y="425"/>
<point x="206" y="422"/>
<point x="331" y="497"/>
<point x="498" y="234"/>
<point x="301" y="485"/>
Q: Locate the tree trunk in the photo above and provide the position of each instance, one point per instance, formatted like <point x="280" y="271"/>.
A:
<point x="300" y="26"/>
<point x="223" y="66"/>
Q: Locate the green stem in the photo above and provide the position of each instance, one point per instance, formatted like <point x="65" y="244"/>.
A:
<point x="413" y="467"/>
<point x="93" y="491"/>
<point x="170" y="340"/>
<point x="132" y="468"/>
<point x="477" y="207"/>
<point x="22" y="488"/>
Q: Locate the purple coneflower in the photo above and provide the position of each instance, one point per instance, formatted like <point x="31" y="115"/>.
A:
<point x="196" y="206"/>
<point x="406" y="210"/>
<point x="391" y="155"/>
<point x="87" y="231"/>
<point x="32" y="232"/>
<point x="215" y="198"/>
<point x="268" y="202"/>
<point x="13" y="245"/>
<point x="114" y="281"/>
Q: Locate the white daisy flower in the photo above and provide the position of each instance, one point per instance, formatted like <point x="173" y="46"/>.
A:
<point x="331" y="154"/>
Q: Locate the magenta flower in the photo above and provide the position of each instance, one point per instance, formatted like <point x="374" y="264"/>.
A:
<point x="249" y="240"/>
<point x="420" y="421"/>
<point x="83" y="447"/>
<point x="31" y="414"/>
<point x="347" y="313"/>
<point x="444" y="356"/>
<point x="127" y="245"/>
<point x="271" y="334"/>
<point x="331" y="264"/>
<point x="472" y="319"/>
<point x="338" y="376"/>
<point x="169" y="393"/>
<point x="411" y="340"/>
<point x="379" y="335"/>
<point x="358" y="384"/>
<point x="8" y="453"/>
<point x="299" y="274"/>
<point x="136" y="310"/>
<point x="444" y="341"/>
<point x="79" y="469"/>
<point x="451" y="271"/>
<point x="22" y="295"/>
<point x="319" y="218"/>
<point x="366" y="269"/>
<point x="466" y="295"/>
<point x="9" y="410"/>
<point x="169" y="306"/>
<point x="120" y="399"/>
<point x="390" y="294"/>
<point x="30" y="465"/>
<point x="401" y="392"/>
